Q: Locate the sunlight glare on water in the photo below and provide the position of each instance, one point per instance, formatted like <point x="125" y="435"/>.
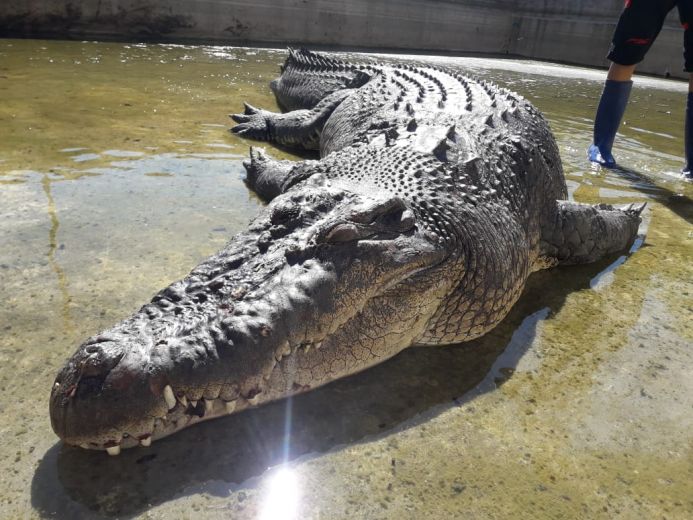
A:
<point x="281" y="496"/>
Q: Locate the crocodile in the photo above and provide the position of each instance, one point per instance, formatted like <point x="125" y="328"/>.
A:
<point x="434" y="197"/>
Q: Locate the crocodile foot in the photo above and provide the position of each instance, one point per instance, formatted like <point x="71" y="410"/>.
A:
<point x="252" y="123"/>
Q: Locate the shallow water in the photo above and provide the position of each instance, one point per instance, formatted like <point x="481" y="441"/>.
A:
<point x="117" y="176"/>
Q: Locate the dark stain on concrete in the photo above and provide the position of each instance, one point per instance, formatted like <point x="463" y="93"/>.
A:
<point x="237" y="28"/>
<point x="143" y="23"/>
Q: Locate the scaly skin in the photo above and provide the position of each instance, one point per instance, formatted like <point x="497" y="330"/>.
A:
<point x="434" y="199"/>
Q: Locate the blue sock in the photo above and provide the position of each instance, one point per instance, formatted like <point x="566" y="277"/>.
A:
<point x="688" y="144"/>
<point x="610" y="111"/>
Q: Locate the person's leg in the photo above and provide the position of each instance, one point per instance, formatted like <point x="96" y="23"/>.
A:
<point x="620" y="72"/>
<point x="686" y="15"/>
<point x="637" y="28"/>
<point x="688" y="134"/>
<point x="612" y="105"/>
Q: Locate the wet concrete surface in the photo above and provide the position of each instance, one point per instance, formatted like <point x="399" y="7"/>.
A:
<point x="117" y="176"/>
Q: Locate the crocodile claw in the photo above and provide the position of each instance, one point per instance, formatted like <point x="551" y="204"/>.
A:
<point x="250" y="109"/>
<point x="252" y="125"/>
<point x="240" y="118"/>
<point x="634" y="209"/>
<point x="255" y="163"/>
<point x="252" y="163"/>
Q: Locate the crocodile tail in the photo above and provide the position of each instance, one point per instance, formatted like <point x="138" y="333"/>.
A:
<point x="309" y="60"/>
<point x="308" y="77"/>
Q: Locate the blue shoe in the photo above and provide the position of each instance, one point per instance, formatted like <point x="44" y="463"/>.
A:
<point x="610" y="111"/>
<point x="606" y="160"/>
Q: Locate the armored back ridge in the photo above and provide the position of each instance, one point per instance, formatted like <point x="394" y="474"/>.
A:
<point x="434" y="198"/>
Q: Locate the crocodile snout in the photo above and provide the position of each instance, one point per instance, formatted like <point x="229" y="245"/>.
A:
<point x="99" y="372"/>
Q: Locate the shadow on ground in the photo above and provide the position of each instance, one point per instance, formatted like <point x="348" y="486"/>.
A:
<point x="410" y="388"/>
<point x="679" y="203"/>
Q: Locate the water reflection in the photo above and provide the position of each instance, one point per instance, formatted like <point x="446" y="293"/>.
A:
<point x="63" y="284"/>
<point x="606" y="277"/>
<point x="523" y="339"/>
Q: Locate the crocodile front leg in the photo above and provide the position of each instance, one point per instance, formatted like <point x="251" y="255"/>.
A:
<point x="264" y="175"/>
<point x="299" y="128"/>
<point x="268" y="177"/>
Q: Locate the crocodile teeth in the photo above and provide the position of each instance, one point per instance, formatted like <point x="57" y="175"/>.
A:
<point x="283" y="351"/>
<point x="113" y="450"/>
<point x="209" y="405"/>
<point x="170" y="398"/>
<point x="147" y="441"/>
<point x="254" y="400"/>
<point x="230" y="406"/>
<point x="159" y="424"/>
<point x="267" y="376"/>
<point x="184" y="401"/>
<point x="193" y="403"/>
<point x="318" y="344"/>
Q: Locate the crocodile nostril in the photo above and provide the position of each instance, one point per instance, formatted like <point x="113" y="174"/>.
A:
<point x="98" y="359"/>
<point x="90" y="385"/>
<point x="94" y="367"/>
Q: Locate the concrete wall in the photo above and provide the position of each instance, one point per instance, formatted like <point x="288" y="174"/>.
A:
<point x="576" y="31"/>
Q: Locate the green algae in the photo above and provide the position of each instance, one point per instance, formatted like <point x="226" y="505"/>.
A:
<point x="117" y="176"/>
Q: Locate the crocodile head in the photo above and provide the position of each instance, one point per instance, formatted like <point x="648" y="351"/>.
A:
<point x="326" y="282"/>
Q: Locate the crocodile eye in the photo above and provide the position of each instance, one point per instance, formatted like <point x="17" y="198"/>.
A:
<point x="397" y="220"/>
<point x="407" y="220"/>
<point x="342" y="233"/>
<point x="400" y="220"/>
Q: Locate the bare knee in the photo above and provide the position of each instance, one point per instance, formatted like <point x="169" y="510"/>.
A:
<point x="623" y="72"/>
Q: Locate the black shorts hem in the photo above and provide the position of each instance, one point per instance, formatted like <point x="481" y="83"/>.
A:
<point x="626" y="56"/>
